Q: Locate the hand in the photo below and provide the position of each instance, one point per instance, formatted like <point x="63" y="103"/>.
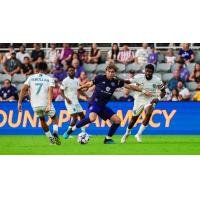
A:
<point x="154" y="101"/>
<point x="48" y="108"/>
<point x="19" y="107"/>
<point x="69" y="101"/>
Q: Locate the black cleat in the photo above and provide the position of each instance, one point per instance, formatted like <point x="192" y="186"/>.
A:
<point x="57" y="139"/>
<point x="52" y="140"/>
<point x="108" y="141"/>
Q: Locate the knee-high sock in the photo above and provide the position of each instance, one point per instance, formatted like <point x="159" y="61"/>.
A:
<point x="83" y="122"/>
<point x="113" y="129"/>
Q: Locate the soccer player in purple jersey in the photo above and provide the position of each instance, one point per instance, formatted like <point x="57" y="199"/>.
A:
<point x="105" y="86"/>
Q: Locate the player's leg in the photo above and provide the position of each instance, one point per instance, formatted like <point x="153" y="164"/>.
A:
<point x="55" y="130"/>
<point x="52" y="114"/>
<point x="136" y="113"/>
<point x="82" y="116"/>
<point x="72" y="123"/>
<point x="148" y="112"/>
<point x="46" y="129"/>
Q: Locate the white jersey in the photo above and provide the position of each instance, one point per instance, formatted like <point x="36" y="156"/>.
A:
<point x="154" y="86"/>
<point x="70" y="87"/>
<point x="39" y="85"/>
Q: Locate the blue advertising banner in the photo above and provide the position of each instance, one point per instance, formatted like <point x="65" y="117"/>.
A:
<point x="168" y="118"/>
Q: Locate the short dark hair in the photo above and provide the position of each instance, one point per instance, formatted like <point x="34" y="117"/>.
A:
<point x="42" y="66"/>
<point x="149" y="66"/>
<point x="70" y="67"/>
<point x="112" y="66"/>
<point x="7" y="80"/>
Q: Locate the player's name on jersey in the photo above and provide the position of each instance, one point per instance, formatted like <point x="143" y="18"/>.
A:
<point x="40" y="79"/>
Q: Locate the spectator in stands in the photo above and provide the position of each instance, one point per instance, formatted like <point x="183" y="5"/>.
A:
<point x="175" y="95"/>
<point x="22" y="54"/>
<point x="131" y="74"/>
<point x="196" y="97"/>
<point x="26" y="67"/>
<point x="153" y="57"/>
<point x="78" y="67"/>
<point x="39" y="60"/>
<point x="82" y="54"/>
<point x="195" y="75"/>
<point x="112" y="55"/>
<point x="94" y="56"/>
<point x="2" y="58"/>
<point x="184" y="93"/>
<point x="125" y="56"/>
<point x="183" y="70"/>
<point x="56" y="90"/>
<point x="12" y="65"/>
<point x="37" y="52"/>
<point x="8" y="92"/>
<point x="172" y="84"/>
<point x="52" y="55"/>
<point x="186" y="54"/>
<point x="142" y="54"/>
<point x="59" y="72"/>
<point x="66" y="54"/>
<point x="170" y="58"/>
<point x="10" y="51"/>
<point x="126" y="96"/>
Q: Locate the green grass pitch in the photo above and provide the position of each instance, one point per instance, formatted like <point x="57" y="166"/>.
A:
<point x="152" y="145"/>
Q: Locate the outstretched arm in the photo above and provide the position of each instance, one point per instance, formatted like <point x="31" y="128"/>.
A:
<point x="86" y="85"/>
<point x="136" y="88"/>
<point x="21" y="96"/>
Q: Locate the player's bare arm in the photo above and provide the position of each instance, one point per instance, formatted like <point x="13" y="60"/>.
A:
<point x="50" y="94"/>
<point x="138" y="89"/>
<point x="64" y="97"/>
<point x="82" y="95"/>
<point x="86" y="86"/>
<point x="21" y="96"/>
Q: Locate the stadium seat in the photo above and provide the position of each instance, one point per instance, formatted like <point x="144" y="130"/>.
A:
<point x="191" y="86"/>
<point x="19" y="78"/>
<point x="90" y="67"/>
<point x="174" y="67"/>
<point x="197" y="56"/>
<point x="121" y="67"/>
<point x="166" y="77"/>
<point x="1" y="68"/>
<point x="122" y="75"/>
<point x="158" y="75"/>
<point x="3" y="77"/>
<point x="191" y="67"/>
<point x="118" y="94"/>
<point x="161" y="58"/>
<point x="133" y="66"/>
<point x="101" y="67"/>
<point x="90" y="76"/>
<point x="163" y="67"/>
<point x="19" y="86"/>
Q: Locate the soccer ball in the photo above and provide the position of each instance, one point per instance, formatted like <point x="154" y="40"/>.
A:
<point x="83" y="138"/>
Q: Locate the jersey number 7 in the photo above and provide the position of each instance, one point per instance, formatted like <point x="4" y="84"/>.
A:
<point x="39" y="85"/>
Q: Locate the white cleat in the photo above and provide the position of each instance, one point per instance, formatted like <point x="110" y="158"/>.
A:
<point x="138" y="138"/>
<point x="124" y="138"/>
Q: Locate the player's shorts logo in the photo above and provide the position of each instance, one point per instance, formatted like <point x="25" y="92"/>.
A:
<point x="107" y="89"/>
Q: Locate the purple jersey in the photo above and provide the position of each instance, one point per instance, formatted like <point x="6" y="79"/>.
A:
<point x="104" y="89"/>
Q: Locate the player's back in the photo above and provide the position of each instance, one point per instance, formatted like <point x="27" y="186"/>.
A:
<point x="39" y="85"/>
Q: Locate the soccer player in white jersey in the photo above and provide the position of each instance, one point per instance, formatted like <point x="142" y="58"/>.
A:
<point x="69" y="91"/>
<point x="41" y="89"/>
<point x="147" y="81"/>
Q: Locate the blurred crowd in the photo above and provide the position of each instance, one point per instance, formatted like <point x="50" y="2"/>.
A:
<point x="179" y="70"/>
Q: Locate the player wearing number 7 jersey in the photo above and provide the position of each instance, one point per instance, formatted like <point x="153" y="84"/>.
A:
<point x="41" y="88"/>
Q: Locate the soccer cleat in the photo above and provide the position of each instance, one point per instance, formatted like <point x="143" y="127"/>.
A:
<point x="52" y="140"/>
<point x="138" y="138"/>
<point x="57" y="139"/>
<point x="65" y="135"/>
<point x="108" y="141"/>
<point x="124" y="138"/>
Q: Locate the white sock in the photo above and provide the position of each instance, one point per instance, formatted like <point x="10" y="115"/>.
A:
<point x="74" y="128"/>
<point x="128" y="131"/>
<point x="48" y="134"/>
<point x="69" y="127"/>
<point x="141" y="129"/>
<point x="108" y="137"/>
<point x="55" y="128"/>
<point x="83" y="129"/>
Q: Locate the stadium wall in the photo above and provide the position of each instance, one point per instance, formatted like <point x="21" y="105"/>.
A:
<point x="169" y="118"/>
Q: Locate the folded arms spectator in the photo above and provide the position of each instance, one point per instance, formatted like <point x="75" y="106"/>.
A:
<point x="94" y="55"/>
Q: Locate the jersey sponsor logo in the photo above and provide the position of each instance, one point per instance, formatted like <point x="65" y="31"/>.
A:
<point x="108" y="89"/>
